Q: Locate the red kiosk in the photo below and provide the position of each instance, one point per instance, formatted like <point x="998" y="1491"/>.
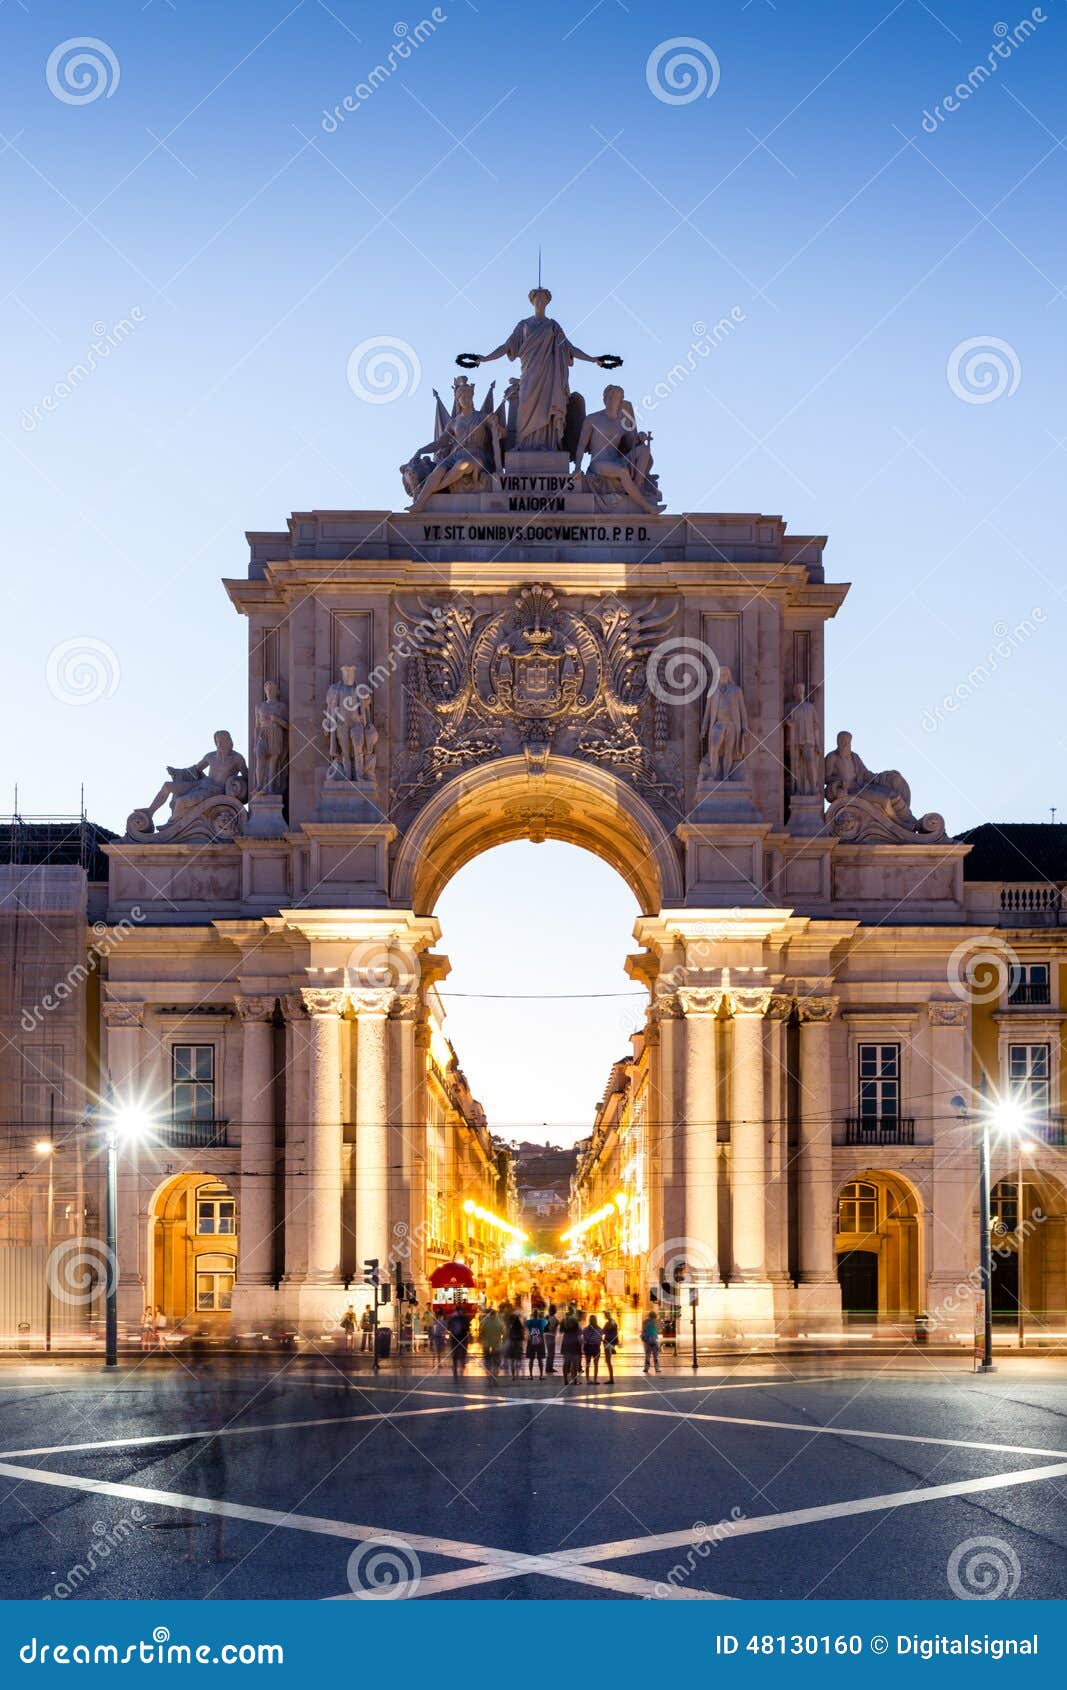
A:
<point x="451" y="1288"/>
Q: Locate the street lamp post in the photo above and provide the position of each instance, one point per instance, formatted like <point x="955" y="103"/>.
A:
<point x="111" y="1258"/>
<point x="47" y="1147"/>
<point x="985" y="1247"/>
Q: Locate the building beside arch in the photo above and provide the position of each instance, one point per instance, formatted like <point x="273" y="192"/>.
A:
<point x="533" y="654"/>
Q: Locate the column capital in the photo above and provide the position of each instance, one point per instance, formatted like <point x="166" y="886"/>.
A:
<point x="251" y="1007"/>
<point x="123" y="1013"/>
<point x="292" y="1006"/>
<point x="370" y="1000"/>
<point x="780" y="1007"/>
<point x="322" y="1000"/>
<point x="749" y="1003"/>
<point x="817" y="1009"/>
<point x="406" y="1006"/>
<point x="700" y="1000"/>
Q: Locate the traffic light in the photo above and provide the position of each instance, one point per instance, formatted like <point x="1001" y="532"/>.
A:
<point x="398" y="1280"/>
<point x="383" y="1294"/>
<point x="411" y="1291"/>
<point x="370" y="1271"/>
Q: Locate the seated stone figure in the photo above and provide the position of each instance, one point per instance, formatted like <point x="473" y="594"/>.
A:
<point x="619" y="460"/>
<point x="220" y="774"/>
<point x="466" y="454"/>
<point x="871" y="807"/>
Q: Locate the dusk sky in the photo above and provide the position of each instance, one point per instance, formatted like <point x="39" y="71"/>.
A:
<point x="890" y="264"/>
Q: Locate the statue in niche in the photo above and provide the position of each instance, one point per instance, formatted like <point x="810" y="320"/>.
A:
<point x="619" y="459"/>
<point x="466" y="452"/>
<point x="545" y="356"/>
<point x="724" y="728"/>
<point x="802" y="737"/>
<point x="272" y="731"/>
<point x="349" y="726"/>
<point x="219" y="773"/>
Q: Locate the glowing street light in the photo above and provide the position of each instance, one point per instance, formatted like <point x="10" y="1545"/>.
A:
<point x="123" y="1122"/>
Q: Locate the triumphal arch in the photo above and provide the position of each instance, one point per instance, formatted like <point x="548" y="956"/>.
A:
<point x="536" y="647"/>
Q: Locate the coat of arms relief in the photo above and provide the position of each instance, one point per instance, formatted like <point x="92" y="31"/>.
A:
<point x="540" y="676"/>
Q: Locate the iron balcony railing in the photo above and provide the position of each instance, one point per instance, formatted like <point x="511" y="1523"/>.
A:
<point x="1030" y="991"/>
<point x="880" y="1129"/>
<point x="194" y="1135"/>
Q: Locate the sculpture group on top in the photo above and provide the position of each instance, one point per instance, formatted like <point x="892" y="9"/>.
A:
<point x="873" y="808"/>
<point x="207" y="799"/>
<point x="539" y="415"/>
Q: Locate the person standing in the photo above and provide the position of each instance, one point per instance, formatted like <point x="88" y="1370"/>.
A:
<point x="348" y="1327"/>
<point x="490" y="1335"/>
<point x="650" y="1339"/>
<point x="437" y="1335"/>
<point x="459" y="1333"/>
<point x="366" y="1328"/>
<point x="570" y="1347"/>
<point x="611" y="1344"/>
<point x="535" y="1342"/>
<point x="592" y="1339"/>
<point x="148" y="1329"/>
<point x="514" y="1341"/>
<point x="551" y="1329"/>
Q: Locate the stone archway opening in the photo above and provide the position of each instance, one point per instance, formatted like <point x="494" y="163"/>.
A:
<point x="879" y="1248"/>
<point x="545" y="1015"/>
<point x="192" y="1251"/>
<point x="1028" y="1258"/>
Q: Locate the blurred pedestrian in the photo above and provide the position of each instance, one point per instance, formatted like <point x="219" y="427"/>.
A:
<point x="437" y="1336"/>
<point x="611" y="1344"/>
<point x="650" y="1339"/>
<point x="459" y="1334"/>
<point x="570" y="1347"/>
<point x="366" y="1328"/>
<point x="514" y="1341"/>
<point x="490" y="1336"/>
<point x="535" y="1342"/>
<point x="551" y="1331"/>
<point x="592" y="1339"/>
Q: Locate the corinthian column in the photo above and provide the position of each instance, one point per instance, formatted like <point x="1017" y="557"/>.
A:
<point x="324" y="1135"/>
<point x="255" y="1220"/>
<point x="700" y="1158"/>
<point x="371" y="1007"/>
<point x="748" y="1172"/>
<point x="815" y="1182"/>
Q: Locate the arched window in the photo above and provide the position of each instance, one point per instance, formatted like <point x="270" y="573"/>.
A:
<point x="857" y="1207"/>
<point x="214" y="1282"/>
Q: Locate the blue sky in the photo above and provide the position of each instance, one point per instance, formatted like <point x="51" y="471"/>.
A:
<point x="245" y="246"/>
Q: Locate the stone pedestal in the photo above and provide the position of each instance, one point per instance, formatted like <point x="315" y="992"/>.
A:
<point x="805" y="815"/>
<point x="724" y="801"/>
<point x="349" y="801"/>
<point x="265" y="816"/>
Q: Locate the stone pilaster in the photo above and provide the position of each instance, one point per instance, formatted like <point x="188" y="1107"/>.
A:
<point x="323" y="1162"/>
<point x="371" y="1007"/>
<point x="255" y="1213"/>
<point x="779" y="1011"/>
<point x="815" y="1181"/>
<point x="124" y="1070"/>
<point x="700" y="1153"/>
<point x="748" y="1133"/>
<point x="954" y="1241"/>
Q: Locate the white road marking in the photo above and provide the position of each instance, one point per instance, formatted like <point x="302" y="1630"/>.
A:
<point x="816" y="1431"/>
<point x="139" y="1441"/>
<point x="499" y="1563"/>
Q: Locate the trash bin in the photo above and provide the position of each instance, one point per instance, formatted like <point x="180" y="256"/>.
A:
<point x="922" y="1328"/>
<point x="385" y="1343"/>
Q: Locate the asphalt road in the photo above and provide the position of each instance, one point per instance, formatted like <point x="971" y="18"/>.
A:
<point x="842" y="1479"/>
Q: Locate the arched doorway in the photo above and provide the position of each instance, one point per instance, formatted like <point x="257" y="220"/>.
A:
<point x="879" y="1245"/>
<point x="193" y="1251"/>
<point x="1029" y="1217"/>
